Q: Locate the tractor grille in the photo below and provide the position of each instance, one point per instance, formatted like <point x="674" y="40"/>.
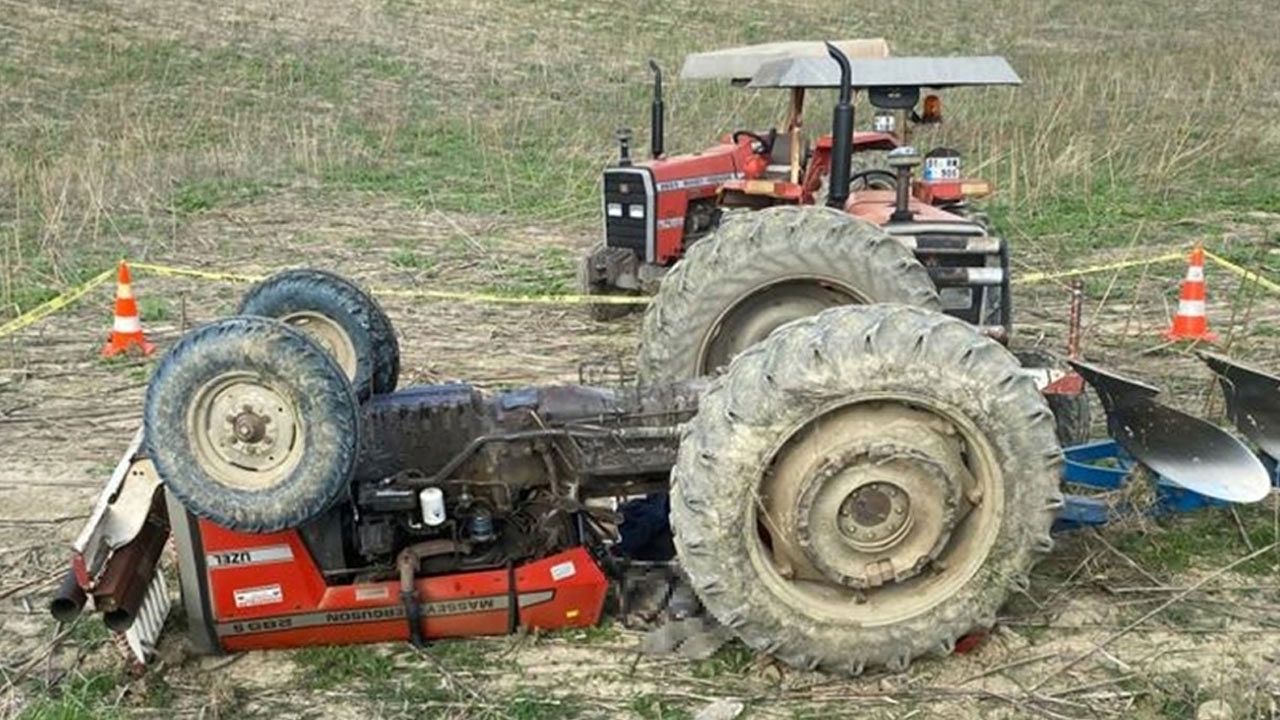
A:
<point x="971" y="273"/>
<point x="631" y="191"/>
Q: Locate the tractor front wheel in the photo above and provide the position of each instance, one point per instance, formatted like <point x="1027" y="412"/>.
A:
<point x="344" y="319"/>
<point x="865" y="487"/>
<point x="763" y="269"/>
<point x="1071" y="413"/>
<point x="252" y="424"/>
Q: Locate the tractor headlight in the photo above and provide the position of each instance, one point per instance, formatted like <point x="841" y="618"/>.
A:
<point x="884" y="122"/>
<point x="635" y="212"/>
<point x="613" y="210"/>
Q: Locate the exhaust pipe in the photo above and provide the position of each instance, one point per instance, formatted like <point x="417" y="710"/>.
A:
<point x="69" y="600"/>
<point x="841" y="133"/>
<point x="656" y="112"/>
<point x="128" y="574"/>
<point x="1188" y="451"/>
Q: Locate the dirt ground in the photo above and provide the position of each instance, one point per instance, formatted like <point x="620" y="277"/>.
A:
<point x="1103" y="632"/>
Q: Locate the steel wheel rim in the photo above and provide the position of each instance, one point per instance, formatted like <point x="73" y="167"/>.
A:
<point x="761" y="310"/>
<point x="964" y="550"/>
<point x="330" y="336"/>
<point x="246" y="434"/>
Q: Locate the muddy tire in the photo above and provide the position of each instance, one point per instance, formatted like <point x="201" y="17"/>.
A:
<point x="344" y="319"/>
<point x="903" y="398"/>
<point x="1071" y="413"/>
<point x="251" y="424"/>
<point x="762" y="269"/>
<point x="602" y="312"/>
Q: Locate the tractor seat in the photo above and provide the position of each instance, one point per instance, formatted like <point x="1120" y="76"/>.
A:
<point x="780" y="158"/>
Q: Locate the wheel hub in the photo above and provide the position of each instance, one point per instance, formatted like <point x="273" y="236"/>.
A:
<point x="876" y="513"/>
<point x="250" y="427"/>
<point x="244" y="431"/>
<point x="330" y="336"/>
<point x="875" y="516"/>
<point x="752" y="318"/>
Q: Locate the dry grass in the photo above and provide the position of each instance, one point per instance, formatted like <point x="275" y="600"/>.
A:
<point x="458" y="144"/>
<point x="123" y="119"/>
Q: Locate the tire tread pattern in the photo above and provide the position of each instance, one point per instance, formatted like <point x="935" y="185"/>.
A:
<point x="292" y="363"/>
<point x="750" y="249"/>
<point x="804" y="366"/>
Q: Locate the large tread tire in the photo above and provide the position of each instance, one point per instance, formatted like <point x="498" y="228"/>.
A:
<point x="298" y="370"/>
<point x="361" y="318"/>
<point x="807" y="366"/>
<point x="750" y="250"/>
<point x="602" y="312"/>
<point x="1071" y="413"/>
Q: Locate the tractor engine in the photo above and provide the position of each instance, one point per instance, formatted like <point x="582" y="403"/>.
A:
<point x="469" y="481"/>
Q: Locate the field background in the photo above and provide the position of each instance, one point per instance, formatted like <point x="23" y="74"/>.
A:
<point x="457" y="144"/>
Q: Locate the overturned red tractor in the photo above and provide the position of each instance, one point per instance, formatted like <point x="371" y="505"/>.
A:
<point x="862" y="488"/>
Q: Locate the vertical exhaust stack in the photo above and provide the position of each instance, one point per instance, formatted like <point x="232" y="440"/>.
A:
<point x="841" y="133"/>
<point x="656" y="113"/>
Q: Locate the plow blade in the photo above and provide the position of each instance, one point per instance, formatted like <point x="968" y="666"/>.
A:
<point x="1253" y="400"/>
<point x="1186" y="450"/>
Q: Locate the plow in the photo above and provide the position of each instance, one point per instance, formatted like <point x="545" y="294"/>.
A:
<point x="859" y="472"/>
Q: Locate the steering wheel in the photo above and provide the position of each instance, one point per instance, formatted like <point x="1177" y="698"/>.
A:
<point x="766" y="144"/>
<point x="874" y="179"/>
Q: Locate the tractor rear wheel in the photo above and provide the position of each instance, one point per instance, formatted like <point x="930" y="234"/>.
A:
<point x="1071" y="413"/>
<point x="341" y="317"/>
<point x="763" y="269"/>
<point x="252" y="424"/>
<point x="603" y="311"/>
<point x="865" y="487"/>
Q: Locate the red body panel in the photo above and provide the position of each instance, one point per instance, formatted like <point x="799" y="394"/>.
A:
<point x="681" y="179"/>
<point x="877" y="205"/>
<point x="265" y="592"/>
<point x="937" y="191"/>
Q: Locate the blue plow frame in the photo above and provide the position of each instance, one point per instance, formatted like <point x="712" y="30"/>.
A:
<point x="1104" y="465"/>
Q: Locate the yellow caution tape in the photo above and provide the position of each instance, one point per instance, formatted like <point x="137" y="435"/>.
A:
<point x="52" y="306"/>
<point x="459" y="295"/>
<point x="170" y="271"/>
<point x="1037" y="277"/>
<point x="1248" y="275"/>
<point x="71" y="296"/>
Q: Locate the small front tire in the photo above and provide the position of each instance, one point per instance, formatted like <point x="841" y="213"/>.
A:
<point x="252" y="425"/>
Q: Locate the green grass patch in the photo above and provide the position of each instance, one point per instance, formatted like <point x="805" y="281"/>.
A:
<point x="411" y="260"/>
<point x="198" y="196"/>
<point x="732" y="659"/>
<point x="88" y="632"/>
<point x="154" y="309"/>
<point x="528" y="704"/>
<point x="1205" y="539"/>
<point x="322" y="667"/>
<point x="85" y="697"/>
<point x="552" y="270"/>
<point x="463" y="653"/>
<point x="653" y="706"/>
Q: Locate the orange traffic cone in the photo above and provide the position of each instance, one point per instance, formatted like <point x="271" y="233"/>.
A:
<point x="126" y="330"/>
<point x="1190" y="322"/>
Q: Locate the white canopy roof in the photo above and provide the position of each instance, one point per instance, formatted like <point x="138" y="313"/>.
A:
<point x="741" y="63"/>
<point x="933" y="72"/>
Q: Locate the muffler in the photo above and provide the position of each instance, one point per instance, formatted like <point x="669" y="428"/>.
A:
<point x="123" y="586"/>
<point x="1186" y="450"/>
<point x="69" y="600"/>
